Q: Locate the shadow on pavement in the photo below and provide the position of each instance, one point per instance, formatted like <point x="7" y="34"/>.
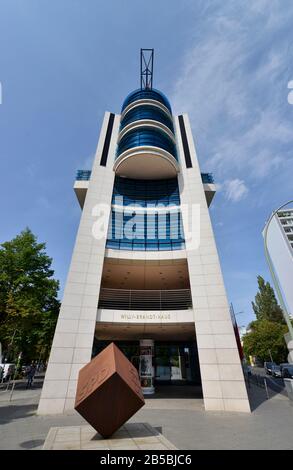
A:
<point x="11" y="412"/>
<point x="259" y="393"/>
<point x="32" y="444"/>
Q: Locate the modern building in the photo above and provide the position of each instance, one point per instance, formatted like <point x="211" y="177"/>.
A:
<point x="280" y="248"/>
<point x="151" y="279"/>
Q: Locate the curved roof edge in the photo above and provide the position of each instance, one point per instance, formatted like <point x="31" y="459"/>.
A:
<point x="139" y="94"/>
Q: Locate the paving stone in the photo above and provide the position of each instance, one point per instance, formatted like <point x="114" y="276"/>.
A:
<point x="148" y="438"/>
<point x="183" y="422"/>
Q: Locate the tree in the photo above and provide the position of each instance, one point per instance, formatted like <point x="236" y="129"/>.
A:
<point x="28" y="297"/>
<point x="266" y="306"/>
<point x="266" y="334"/>
<point x="264" y="339"/>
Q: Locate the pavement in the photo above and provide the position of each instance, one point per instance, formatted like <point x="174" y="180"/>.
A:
<point x="275" y="383"/>
<point x="176" y="412"/>
<point x="131" y="436"/>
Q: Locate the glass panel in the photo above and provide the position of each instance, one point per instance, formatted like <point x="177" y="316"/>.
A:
<point x="131" y="230"/>
<point x="146" y="94"/>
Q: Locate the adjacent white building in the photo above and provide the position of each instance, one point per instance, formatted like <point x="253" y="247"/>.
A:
<point x="280" y="247"/>
<point x="153" y="283"/>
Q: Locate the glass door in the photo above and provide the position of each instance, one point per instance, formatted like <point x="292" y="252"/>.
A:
<point x="162" y="363"/>
<point x="175" y="363"/>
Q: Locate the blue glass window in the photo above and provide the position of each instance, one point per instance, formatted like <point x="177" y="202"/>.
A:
<point x="146" y="136"/>
<point x="146" y="94"/>
<point x="147" y="112"/>
<point x="136" y="235"/>
<point x="147" y="231"/>
<point x="144" y="193"/>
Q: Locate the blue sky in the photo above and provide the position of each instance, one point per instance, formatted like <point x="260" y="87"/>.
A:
<point x="228" y="64"/>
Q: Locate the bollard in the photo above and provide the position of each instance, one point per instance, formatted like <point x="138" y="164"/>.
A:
<point x="11" y="393"/>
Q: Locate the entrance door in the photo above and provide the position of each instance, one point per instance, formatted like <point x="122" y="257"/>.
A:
<point x="162" y="363"/>
<point x="174" y="363"/>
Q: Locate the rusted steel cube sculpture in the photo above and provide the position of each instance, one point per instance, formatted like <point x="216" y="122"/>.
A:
<point x="108" y="391"/>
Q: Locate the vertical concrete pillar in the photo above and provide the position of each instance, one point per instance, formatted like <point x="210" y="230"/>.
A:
<point x="220" y="367"/>
<point x="73" y="339"/>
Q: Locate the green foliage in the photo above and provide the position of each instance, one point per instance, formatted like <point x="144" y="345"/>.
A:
<point x="28" y="297"/>
<point x="265" y="337"/>
<point x="266" y="306"/>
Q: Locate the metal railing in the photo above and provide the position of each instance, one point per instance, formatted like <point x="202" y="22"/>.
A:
<point x="128" y="299"/>
<point x="84" y="175"/>
<point x="207" y="178"/>
<point x="257" y="380"/>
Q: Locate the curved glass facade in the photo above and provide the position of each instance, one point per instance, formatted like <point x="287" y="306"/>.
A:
<point x="147" y="112"/>
<point x="145" y="192"/>
<point x="146" y="94"/>
<point x="152" y="230"/>
<point x="145" y="232"/>
<point x="146" y="136"/>
<point x="150" y="227"/>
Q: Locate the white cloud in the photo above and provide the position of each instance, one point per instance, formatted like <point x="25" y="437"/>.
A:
<point x="235" y="190"/>
<point x="233" y="85"/>
<point x="86" y="163"/>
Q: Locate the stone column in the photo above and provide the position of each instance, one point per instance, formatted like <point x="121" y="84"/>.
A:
<point x="75" y="330"/>
<point x="221" y="371"/>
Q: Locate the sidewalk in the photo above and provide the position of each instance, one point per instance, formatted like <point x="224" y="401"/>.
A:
<point x="182" y="421"/>
<point x="20" y="391"/>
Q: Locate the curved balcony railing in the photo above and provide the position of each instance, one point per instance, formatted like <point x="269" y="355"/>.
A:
<point x="147" y="112"/>
<point x="146" y="94"/>
<point x="128" y="299"/>
<point x="146" y="137"/>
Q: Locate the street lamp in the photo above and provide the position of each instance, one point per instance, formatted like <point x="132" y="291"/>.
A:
<point x="274" y="277"/>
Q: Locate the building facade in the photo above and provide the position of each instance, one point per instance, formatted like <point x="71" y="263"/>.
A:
<point x="151" y="280"/>
<point x="280" y="247"/>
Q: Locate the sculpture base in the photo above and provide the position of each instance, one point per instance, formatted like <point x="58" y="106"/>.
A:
<point x="131" y="436"/>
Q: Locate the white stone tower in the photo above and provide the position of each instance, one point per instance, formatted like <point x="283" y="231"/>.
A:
<point x="153" y="284"/>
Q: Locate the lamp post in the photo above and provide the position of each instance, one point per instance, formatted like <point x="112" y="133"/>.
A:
<point x="274" y="277"/>
<point x="11" y="343"/>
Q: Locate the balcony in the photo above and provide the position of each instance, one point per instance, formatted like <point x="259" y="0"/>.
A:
<point x="81" y="185"/>
<point x="130" y="299"/>
<point x="208" y="186"/>
<point x="83" y="177"/>
<point x="207" y="178"/>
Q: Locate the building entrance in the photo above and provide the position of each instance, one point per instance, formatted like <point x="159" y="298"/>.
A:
<point x="175" y="363"/>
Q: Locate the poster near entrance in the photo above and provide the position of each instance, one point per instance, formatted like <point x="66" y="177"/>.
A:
<point x="146" y="370"/>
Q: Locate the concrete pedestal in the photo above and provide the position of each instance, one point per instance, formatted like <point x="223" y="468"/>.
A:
<point x="132" y="436"/>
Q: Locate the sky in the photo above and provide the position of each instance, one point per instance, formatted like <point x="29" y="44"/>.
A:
<point x="63" y="63"/>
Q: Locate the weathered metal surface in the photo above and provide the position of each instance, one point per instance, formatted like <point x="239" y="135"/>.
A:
<point x="108" y="391"/>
